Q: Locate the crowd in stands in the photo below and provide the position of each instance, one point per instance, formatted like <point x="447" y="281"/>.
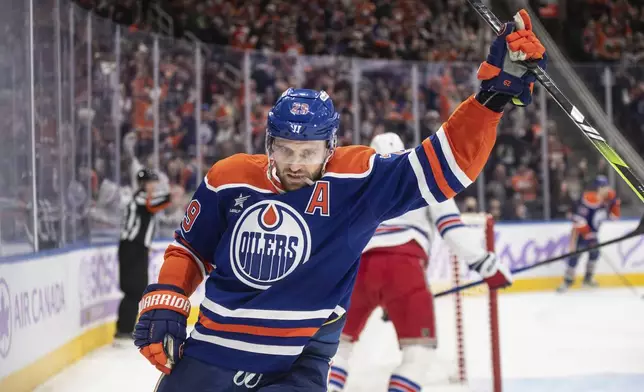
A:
<point x="409" y="30"/>
<point x="310" y="44"/>
<point x="513" y="183"/>
<point x="413" y="30"/>
<point x="611" y="33"/>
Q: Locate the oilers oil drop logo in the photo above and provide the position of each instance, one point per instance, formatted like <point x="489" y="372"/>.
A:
<point x="270" y="240"/>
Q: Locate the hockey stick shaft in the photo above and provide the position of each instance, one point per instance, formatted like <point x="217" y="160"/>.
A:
<point x="595" y="138"/>
<point x="638" y="231"/>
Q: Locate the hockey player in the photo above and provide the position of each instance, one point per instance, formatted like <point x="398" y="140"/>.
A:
<point x="392" y="275"/>
<point x="279" y="236"/>
<point x="134" y="247"/>
<point x="596" y="206"/>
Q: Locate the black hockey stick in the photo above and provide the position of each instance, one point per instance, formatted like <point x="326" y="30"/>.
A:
<point x="575" y="115"/>
<point x="638" y="231"/>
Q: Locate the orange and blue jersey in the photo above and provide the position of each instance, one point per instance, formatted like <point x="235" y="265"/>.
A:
<point x="591" y="212"/>
<point x="280" y="266"/>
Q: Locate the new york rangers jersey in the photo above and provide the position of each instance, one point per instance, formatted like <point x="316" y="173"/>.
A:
<point x="280" y="265"/>
<point x="591" y="212"/>
<point x="418" y="226"/>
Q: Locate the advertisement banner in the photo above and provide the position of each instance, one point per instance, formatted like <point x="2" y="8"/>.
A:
<point x="48" y="301"/>
<point x="38" y="310"/>
<point x="99" y="293"/>
<point x="519" y="245"/>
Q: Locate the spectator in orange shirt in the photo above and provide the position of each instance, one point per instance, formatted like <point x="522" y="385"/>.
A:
<point x="524" y="182"/>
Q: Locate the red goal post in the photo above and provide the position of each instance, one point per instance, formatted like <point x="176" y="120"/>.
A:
<point x="469" y="323"/>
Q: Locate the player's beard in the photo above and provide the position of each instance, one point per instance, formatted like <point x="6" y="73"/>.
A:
<point x="295" y="179"/>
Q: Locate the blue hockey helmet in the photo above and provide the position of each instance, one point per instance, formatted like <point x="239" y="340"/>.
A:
<point x="304" y="115"/>
<point x="600" y="182"/>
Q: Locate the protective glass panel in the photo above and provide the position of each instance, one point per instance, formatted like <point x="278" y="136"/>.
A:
<point x="222" y="113"/>
<point x="385" y="100"/>
<point x="592" y="75"/>
<point x="79" y="190"/>
<point x="48" y="143"/>
<point x="572" y="161"/>
<point x="335" y="76"/>
<point x="441" y="88"/>
<point x="177" y="124"/>
<point x="624" y="97"/>
<point x="179" y="170"/>
<point x="137" y="114"/>
<point x="67" y="98"/>
<point x="105" y="209"/>
<point x="16" y="207"/>
<point x="627" y="93"/>
<point x="271" y="74"/>
<point x="514" y="181"/>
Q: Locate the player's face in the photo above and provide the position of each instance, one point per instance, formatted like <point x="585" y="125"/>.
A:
<point x="150" y="186"/>
<point x="298" y="163"/>
<point x="603" y="192"/>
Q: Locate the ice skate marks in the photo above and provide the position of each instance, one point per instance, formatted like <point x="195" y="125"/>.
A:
<point x="269" y="241"/>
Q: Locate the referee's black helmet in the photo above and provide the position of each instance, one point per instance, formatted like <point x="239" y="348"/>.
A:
<point x="145" y="175"/>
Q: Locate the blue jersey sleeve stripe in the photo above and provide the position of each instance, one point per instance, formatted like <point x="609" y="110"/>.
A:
<point x="339" y="370"/>
<point x="452" y="181"/>
<point x="451" y="160"/>
<point x="444" y="217"/>
<point x="428" y="174"/>
<point x="448" y="228"/>
<point x="421" y="178"/>
<point x="406" y="382"/>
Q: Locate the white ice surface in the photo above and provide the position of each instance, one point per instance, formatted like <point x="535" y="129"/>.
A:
<point x="586" y="341"/>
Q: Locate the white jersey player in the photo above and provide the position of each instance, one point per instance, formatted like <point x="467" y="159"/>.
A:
<point x="392" y="275"/>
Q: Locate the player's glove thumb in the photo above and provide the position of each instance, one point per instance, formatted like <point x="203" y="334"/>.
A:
<point x="161" y="330"/>
<point x="495" y="274"/>
<point x="506" y="69"/>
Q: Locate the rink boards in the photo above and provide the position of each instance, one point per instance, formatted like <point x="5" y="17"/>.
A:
<point x="57" y="306"/>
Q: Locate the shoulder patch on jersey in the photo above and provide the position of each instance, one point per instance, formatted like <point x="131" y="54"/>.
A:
<point x="351" y="162"/>
<point x="240" y="170"/>
<point x="590" y="199"/>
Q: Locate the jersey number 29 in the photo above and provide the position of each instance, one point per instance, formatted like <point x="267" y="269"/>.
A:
<point x="192" y="212"/>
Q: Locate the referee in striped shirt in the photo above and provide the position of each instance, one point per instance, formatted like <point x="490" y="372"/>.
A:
<point x="136" y="236"/>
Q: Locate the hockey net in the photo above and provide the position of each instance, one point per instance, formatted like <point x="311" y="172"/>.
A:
<point x="468" y="352"/>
